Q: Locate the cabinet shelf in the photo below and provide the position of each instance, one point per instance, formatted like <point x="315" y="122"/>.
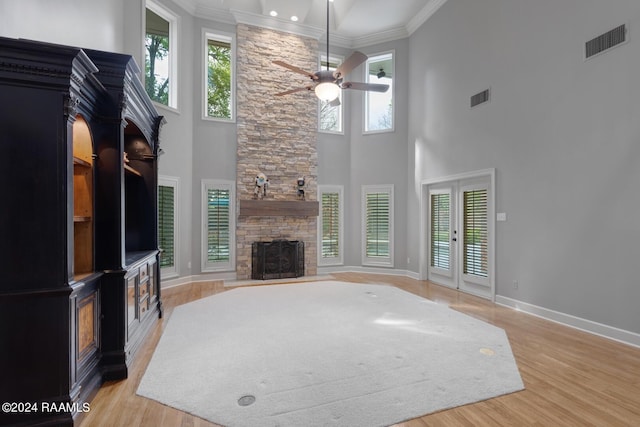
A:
<point x="79" y="162"/>
<point x="131" y="170"/>
<point x="78" y="218"/>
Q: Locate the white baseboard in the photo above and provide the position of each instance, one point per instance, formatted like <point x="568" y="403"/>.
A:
<point x="616" y="334"/>
<point x="370" y="270"/>
<point x="620" y="335"/>
<point x="229" y="275"/>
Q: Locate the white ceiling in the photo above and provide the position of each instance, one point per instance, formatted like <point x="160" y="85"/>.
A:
<point x="353" y="23"/>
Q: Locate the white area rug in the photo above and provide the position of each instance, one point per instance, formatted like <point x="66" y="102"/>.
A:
<point x="325" y="354"/>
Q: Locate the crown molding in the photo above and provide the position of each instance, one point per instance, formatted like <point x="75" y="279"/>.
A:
<point x="202" y="9"/>
<point x="379" y="37"/>
<point x="190" y="6"/>
<point x="424" y="14"/>
<point x="277" y="24"/>
<point x="213" y="13"/>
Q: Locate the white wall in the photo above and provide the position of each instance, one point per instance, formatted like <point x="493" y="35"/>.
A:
<point x="563" y="134"/>
<point x="356" y="159"/>
<point x="95" y="24"/>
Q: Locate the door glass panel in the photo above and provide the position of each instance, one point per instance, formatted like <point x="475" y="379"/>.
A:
<point x="475" y="222"/>
<point x="440" y="231"/>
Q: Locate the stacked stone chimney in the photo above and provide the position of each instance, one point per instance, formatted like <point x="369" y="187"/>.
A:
<point x="277" y="136"/>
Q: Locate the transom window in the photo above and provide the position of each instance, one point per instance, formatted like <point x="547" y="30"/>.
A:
<point x="379" y="105"/>
<point x="219" y="92"/>
<point x="160" y="56"/>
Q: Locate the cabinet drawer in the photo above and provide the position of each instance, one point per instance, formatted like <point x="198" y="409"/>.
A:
<point x="144" y="306"/>
<point x="143" y="290"/>
<point x="144" y="273"/>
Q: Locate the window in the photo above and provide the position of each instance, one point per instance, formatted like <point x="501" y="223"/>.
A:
<point x="160" y="63"/>
<point x="218" y="225"/>
<point x="377" y="222"/>
<point x="379" y="106"/>
<point x="475" y="228"/>
<point x="440" y="230"/>
<point x="219" y="76"/>
<point x="330" y="226"/>
<point x="330" y="113"/>
<point x="167" y="224"/>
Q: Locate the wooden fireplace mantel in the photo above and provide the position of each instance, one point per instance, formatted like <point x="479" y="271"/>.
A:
<point x="250" y="207"/>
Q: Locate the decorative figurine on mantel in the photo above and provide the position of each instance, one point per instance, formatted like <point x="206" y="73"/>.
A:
<point x="301" y="184"/>
<point x="260" y="189"/>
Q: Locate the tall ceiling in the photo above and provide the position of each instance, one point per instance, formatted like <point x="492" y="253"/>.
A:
<point x="352" y="23"/>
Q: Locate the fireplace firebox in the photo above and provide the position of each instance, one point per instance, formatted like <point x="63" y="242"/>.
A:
<point x="279" y="259"/>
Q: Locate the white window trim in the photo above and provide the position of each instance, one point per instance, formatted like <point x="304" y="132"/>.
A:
<point x="173" y="20"/>
<point x="326" y="262"/>
<point x="365" y="107"/>
<point x="377" y="262"/>
<point x="170" y="181"/>
<point x="337" y="60"/>
<point x="231" y="264"/>
<point x="208" y="34"/>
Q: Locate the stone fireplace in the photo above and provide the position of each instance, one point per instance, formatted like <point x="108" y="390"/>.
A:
<point x="279" y="259"/>
<point x="277" y="136"/>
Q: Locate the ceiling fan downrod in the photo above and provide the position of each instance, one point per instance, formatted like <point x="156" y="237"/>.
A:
<point x="327" y="35"/>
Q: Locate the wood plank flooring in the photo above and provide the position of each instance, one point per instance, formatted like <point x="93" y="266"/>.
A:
<point x="572" y="378"/>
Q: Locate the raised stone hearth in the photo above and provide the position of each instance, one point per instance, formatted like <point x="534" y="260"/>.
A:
<point x="277" y="136"/>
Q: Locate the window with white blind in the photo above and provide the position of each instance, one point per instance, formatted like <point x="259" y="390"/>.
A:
<point x="377" y="225"/>
<point x="330" y="226"/>
<point x="218" y="225"/>
<point x="168" y="225"/>
<point x="475" y="229"/>
<point x="440" y="242"/>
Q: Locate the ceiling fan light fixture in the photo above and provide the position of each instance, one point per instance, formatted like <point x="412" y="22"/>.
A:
<point x="327" y="91"/>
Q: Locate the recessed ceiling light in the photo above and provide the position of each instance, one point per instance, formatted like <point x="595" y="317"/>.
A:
<point x="273" y="13"/>
<point x="294" y="18"/>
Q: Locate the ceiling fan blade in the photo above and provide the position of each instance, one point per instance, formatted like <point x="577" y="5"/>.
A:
<point x="349" y="64"/>
<point x="373" y="87"/>
<point x="296" y="69"/>
<point x="300" y="89"/>
<point x="335" y="103"/>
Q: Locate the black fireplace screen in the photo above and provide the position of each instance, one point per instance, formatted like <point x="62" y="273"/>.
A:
<point x="279" y="259"/>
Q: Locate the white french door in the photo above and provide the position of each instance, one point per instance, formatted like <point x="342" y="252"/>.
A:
<point x="458" y="243"/>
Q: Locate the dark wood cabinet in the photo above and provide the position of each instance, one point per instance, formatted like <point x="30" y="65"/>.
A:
<point x="128" y="218"/>
<point x="78" y="223"/>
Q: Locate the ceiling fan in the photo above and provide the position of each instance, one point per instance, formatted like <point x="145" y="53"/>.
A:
<point x="326" y="83"/>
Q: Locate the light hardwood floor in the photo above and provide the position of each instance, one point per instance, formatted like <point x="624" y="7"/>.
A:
<point x="572" y="378"/>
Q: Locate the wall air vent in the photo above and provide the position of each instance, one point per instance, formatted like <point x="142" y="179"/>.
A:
<point x="606" y="41"/>
<point x="480" y="98"/>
